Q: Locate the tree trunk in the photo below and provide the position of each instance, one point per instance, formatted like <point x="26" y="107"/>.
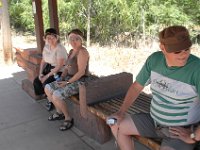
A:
<point x="143" y="27"/>
<point x="6" y="34"/>
<point x="88" y="23"/>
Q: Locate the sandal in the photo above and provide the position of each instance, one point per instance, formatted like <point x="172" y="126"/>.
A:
<point x="67" y="124"/>
<point x="56" y="116"/>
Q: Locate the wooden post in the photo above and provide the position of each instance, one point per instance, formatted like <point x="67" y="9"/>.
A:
<point x="1" y="15"/>
<point x="6" y="34"/>
<point x="39" y="28"/>
<point x="53" y="14"/>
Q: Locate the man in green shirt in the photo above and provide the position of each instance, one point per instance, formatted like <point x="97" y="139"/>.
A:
<point x="173" y="75"/>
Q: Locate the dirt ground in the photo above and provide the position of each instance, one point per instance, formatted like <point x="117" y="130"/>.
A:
<point x="103" y="60"/>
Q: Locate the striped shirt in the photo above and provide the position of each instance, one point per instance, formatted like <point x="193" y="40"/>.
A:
<point x="175" y="90"/>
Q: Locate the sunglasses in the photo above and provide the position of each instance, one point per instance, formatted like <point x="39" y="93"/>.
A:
<point x="178" y="52"/>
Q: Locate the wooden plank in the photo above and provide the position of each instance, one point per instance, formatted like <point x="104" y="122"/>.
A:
<point x="107" y="108"/>
<point x="116" y="85"/>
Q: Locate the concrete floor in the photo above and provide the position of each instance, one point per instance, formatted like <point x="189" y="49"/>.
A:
<point x="24" y="124"/>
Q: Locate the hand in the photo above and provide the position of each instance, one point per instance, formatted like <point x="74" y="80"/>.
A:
<point x="44" y="78"/>
<point x="197" y="133"/>
<point x="182" y="134"/>
<point x="62" y="83"/>
<point x="40" y="76"/>
<point x="118" y="115"/>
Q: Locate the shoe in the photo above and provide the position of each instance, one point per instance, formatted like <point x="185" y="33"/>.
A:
<point x="49" y="106"/>
<point x="67" y="124"/>
<point x="56" y="116"/>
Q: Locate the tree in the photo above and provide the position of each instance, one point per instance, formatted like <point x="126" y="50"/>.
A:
<point x="88" y="22"/>
<point x="21" y="15"/>
<point x="110" y="20"/>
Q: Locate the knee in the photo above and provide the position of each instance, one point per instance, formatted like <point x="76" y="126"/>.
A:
<point x="47" y="89"/>
<point x="56" y="96"/>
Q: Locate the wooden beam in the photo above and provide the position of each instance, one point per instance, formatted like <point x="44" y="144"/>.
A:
<point x="39" y="27"/>
<point x="6" y="33"/>
<point x="53" y="14"/>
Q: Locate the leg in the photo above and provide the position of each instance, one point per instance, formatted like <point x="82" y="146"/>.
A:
<point x="49" y="89"/>
<point x="38" y="87"/>
<point x="139" y="124"/>
<point x="48" y="92"/>
<point x="175" y="144"/>
<point x="62" y="93"/>
<point x="123" y="132"/>
<point x="60" y="105"/>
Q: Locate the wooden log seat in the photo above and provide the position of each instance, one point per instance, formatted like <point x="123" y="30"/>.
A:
<point x="102" y="97"/>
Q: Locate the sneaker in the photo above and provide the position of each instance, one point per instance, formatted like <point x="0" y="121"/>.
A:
<point x="49" y="106"/>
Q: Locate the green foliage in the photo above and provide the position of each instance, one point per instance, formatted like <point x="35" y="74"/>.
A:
<point x="111" y="19"/>
<point x="72" y="14"/>
<point x="21" y="15"/>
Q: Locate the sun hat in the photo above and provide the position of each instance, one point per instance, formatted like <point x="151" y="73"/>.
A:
<point x="175" y="38"/>
<point x="50" y="31"/>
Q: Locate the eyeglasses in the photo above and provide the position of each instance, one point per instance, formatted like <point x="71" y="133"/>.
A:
<point x="74" y="39"/>
<point x="178" y="52"/>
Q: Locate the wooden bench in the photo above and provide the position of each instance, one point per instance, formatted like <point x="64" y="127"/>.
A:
<point x="106" y="108"/>
<point x="103" y="97"/>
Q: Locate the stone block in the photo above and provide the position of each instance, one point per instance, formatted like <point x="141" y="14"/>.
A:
<point x="27" y="86"/>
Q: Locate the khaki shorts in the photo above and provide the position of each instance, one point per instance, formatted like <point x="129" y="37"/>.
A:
<point x="147" y="128"/>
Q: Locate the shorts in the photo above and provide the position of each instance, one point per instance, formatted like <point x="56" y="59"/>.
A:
<point x="68" y="90"/>
<point x="147" y="128"/>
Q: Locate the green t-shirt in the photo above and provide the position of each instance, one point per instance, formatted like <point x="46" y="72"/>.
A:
<point x="175" y="90"/>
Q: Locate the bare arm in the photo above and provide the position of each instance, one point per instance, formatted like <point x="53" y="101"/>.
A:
<point x="55" y="70"/>
<point x="42" y="66"/>
<point x="64" y="73"/>
<point x="60" y="64"/>
<point x="133" y="92"/>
